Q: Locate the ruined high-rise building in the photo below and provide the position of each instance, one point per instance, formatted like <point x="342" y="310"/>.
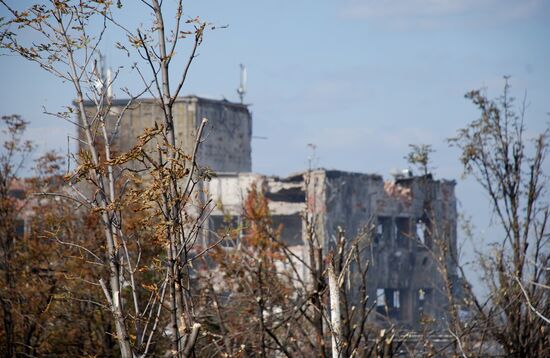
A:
<point x="410" y="219"/>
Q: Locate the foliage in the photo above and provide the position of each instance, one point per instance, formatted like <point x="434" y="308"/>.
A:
<point x="498" y="154"/>
<point x="140" y="263"/>
<point x="251" y="289"/>
<point x="419" y="156"/>
<point x="44" y="310"/>
<point x="270" y="301"/>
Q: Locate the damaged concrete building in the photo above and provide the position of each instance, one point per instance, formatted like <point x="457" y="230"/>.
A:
<point x="408" y="215"/>
<point x="404" y="281"/>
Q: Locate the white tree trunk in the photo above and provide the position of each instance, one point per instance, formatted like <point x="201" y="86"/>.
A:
<point x="336" y="323"/>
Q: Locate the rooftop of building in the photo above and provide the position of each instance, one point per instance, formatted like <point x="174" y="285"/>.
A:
<point x="118" y="102"/>
<point x="335" y="173"/>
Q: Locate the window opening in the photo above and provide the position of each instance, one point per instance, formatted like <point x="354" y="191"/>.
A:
<point x="423" y="233"/>
<point x="380" y="297"/>
<point x="403" y="231"/>
<point x="383" y="230"/>
<point x="396" y="301"/>
<point x="420" y="230"/>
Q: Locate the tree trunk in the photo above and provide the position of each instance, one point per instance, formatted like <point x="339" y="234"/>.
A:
<point x="335" y="316"/>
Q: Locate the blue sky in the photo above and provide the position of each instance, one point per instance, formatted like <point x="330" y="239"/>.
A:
<point x="361" y="79"/>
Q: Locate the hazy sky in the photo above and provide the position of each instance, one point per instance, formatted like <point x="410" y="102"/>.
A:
<point x="359" y="79"/>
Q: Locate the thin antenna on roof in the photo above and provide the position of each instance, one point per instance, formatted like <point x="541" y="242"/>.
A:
<point x="313" y="156"/>
<point x="242" y="88"/>
<point x="103" y="81"/>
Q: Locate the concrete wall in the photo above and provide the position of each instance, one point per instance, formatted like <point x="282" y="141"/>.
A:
<point x="286" y="201"/>
<point x="227" y="147"/>
<point x="285" y="197"/>
<point x="228" y="135"/>
<point x="400" y="260"/>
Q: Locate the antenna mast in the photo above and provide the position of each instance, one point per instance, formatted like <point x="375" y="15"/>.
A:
<point x="242" y="88"/>
<point x="103" y="76"/>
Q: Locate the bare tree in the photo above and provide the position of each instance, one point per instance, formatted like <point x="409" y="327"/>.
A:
<point x="498" y="153"/>
<point x="66" y="45"/>
<point x="272" y="299"/>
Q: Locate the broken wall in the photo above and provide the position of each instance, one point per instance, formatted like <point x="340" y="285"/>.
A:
<point x="404" y="281"/>
<point x="402" y="265"/>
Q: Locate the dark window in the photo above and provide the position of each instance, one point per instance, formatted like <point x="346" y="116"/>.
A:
<point x="20" y="227"/>
<point x="424" y="298"/>
<point x="291" y="228"/>
<point x="226" y="227"/>
<point x="292" y="195"/>
<point x="17" y="194"/>
<point x="383" y="230"/>
<point x="403" y="226"/>
<point x="388" y="302"/>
